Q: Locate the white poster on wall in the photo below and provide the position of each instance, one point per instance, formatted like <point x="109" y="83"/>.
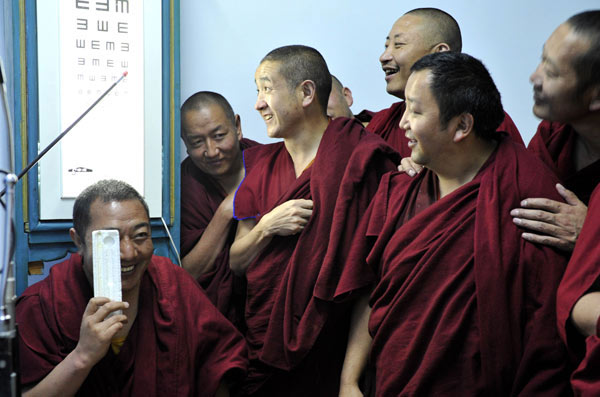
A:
<point x="100" y="40"/>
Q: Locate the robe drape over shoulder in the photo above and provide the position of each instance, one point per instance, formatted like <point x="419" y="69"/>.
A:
<point x="582" y="275"/>
<point x="179" y="344"/>
<point x="464" y="306"/>
<point x="554" y="144"/>
<point x="292" y="319"/>
<point x="201" y="195"/>
<point x="386" y="124"/>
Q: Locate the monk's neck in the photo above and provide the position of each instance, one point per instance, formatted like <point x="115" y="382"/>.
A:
<point x="133" y="298"/>
<point x="464" y="167"/>
<point x="587" y="144"/>
<point x="304" y="144"/>
<point x="232" y="180"/>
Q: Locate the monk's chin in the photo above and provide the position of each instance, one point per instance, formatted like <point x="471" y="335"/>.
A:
<point x="541" y="112"/>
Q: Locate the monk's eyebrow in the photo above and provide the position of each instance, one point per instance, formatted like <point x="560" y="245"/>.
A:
<point x="264" y="78"/>
<point x="141" y="224"/>
<point x="411" y="99"/>
<point x="549" y="61"/>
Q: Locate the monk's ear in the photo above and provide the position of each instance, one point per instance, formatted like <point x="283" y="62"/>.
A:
<point x="238" y="127"/>
<point x="441" y="47"/>
<point x="595" y="102"/>
<point x="76" y="239"/>
<point x="348" y="96"/>
<point x="309" y="92"/>
<point x="464" y="127"/>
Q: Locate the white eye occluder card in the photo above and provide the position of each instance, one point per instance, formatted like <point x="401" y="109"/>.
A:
<point x="107" y="264"/>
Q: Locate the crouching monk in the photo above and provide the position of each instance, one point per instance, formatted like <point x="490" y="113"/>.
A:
<point x="168" y="341"/>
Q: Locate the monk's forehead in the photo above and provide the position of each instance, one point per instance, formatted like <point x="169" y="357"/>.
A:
<point x="268" y="71"/>
<point x="415" y="26"/>
<point x="564" y="45"/>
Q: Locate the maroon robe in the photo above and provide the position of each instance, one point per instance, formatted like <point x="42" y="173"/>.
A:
<point x="179" y="344"/>
<point x="464" y="306"/>
<point x="201" y="195"/>
<point x="296" y="332"/>
<point x="386" y="124"/>
<point x="582" y="275"/>
<point x="554" y="144"/>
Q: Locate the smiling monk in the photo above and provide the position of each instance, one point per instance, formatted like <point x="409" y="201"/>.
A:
<point x="417" y="33"/>
<point x="298" y="207"/>
<point x="212" y="134"/>
<point x="463" y="306"/>
<point x="169" y="341"/>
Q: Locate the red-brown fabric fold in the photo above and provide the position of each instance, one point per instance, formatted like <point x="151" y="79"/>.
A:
<point x="201" y="195"/>
<point x="464" y="305"/>
<point x="293" y="283"/>
<point x="583" y="273"/>
<point x="554" y="144"/>
<point x="179" y="344"/>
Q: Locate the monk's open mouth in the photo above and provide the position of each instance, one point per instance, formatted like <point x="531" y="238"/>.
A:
<point x="127" y="269"/>
<point x="390" y="71"/>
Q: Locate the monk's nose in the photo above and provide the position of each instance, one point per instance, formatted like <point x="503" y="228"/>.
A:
<point x="403" y="122"/>
<point x="535" y="77"/>
<point x="128" y="250"/>
<point x="260" y="103"/>
<point x="385" y="56"/>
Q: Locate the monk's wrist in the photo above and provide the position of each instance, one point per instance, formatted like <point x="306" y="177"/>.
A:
<point x="262" y="229"/>
<point x="80" y="360"/>
<point x="349" y="379"/>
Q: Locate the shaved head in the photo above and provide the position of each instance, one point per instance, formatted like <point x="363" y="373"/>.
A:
<point x="440" y="27"/>
<point x="298" y="63"/>
<point x="340" y="100"/>
<point x="587" y="65"/>
<point x="336" y="83"/>
<point x="204" y="99"/>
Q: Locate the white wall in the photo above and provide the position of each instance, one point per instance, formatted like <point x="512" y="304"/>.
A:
<point x="6" y="63"/>
<point x="222" y="43"/>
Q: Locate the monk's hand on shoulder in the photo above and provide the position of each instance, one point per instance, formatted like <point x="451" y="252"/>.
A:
<point x="551" y="222"/>
<point x="97" y="330"/>
<point x="288" y="218"/>
<point x="409" y="166"/>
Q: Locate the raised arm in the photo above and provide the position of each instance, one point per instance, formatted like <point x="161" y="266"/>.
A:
<point x="201" y="258"/>
<point x="251" y="238"/>
<point x="357" y="351"/>
<point x="96" y="333"/>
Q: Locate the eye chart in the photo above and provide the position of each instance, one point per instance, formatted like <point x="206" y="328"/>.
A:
<point x="99" y="40"/>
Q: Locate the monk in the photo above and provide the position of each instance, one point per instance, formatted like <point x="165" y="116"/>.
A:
<point x="566" y="87"/>
<point x="340" y="100"/>
<point x="212" y="134"/>
<point x="462" y="305"/>
<point x="417" y="33"/>
<point x="578" y="305"/>
<point x="298" y="207"/>
<point x="169" y="339"/>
